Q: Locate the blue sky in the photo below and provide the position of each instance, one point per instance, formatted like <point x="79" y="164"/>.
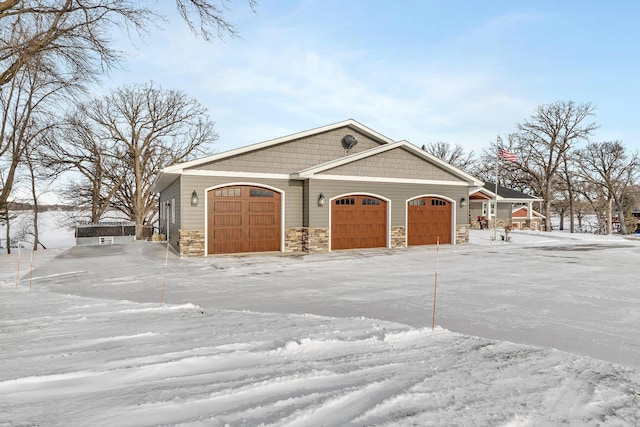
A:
<point x="425" y="71"/>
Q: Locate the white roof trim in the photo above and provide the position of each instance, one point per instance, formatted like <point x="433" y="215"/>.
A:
<point x="350" y="122"/>
<point x="516" y="200"/>
<point x="484" y="191"/>
<point x="391" y="180"/>
<point x="233" y="174"/>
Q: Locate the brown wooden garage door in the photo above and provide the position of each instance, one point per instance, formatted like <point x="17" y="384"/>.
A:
<point x="243" y="219"/>
<point x="428" y="219"/>
<point x="358" y="222"/>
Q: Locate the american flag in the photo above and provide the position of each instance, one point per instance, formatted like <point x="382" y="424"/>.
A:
<point x="507" y="155"/>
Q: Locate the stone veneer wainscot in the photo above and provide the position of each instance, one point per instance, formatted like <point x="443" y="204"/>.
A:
<point x="191" y="243"/>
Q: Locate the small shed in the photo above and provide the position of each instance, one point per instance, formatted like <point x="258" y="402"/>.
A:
<point x="105" y="233"/>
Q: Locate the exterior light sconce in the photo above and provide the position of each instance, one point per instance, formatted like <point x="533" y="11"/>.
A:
<point x="322" y="200"/>
<point x="194" y="198"/>
<point x="463" y="202"/>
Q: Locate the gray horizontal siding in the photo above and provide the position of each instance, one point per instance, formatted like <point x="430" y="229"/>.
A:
<point x="296" y="199"/>
<point x="504" y="210"/>
<point x="293" y="156"/>
<point x="397" y="193"/>
<point x="193" y="217"/>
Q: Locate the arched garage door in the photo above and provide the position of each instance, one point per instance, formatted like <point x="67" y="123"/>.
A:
<point x="243" y="218"/>
<point x="428" y="219"/>
<point x="358" y="222"/>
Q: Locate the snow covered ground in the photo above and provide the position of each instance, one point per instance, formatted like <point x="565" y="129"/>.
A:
<point x="541" y="331"/>
<point x="54" y="230"/>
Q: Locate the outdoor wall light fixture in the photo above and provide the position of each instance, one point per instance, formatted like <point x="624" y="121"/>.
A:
<point x="322" y="200"/>
<point x="194" y="198"/>
<point x="463" y="202"/>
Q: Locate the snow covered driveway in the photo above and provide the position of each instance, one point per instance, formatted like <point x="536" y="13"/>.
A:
<point x="331" y="339"/>
<point x="577" y="293"/>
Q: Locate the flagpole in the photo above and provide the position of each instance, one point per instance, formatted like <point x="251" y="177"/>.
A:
<point x="510" y="157"/>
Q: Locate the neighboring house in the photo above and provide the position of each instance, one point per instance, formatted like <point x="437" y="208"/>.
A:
<point x="482" y="204"/>
<point x="521" y="219"/>
<point x="615" y="224"/>
<point x="340" y="186"/>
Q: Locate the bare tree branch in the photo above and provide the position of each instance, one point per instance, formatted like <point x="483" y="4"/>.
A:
<point x="77" y="35"/>
<point x="119" y="143"/>
<point x="543" y="141"/>
<point x="607" y="165"/>
<point x="453" y="154"/>
<point x="28" y="104"/>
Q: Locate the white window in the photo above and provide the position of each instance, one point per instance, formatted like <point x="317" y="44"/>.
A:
<point x="173" y="211"/>
<point x="488" y="209"/>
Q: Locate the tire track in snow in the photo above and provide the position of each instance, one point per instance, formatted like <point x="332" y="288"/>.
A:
<point x="124" y="363"/>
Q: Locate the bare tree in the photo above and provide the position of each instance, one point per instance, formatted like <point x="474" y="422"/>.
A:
<point x="543" y="141"/>
<point x="27" y="105"/>
<point x="64" y="42"/>
<point x="452" y="154"/>
<point x="82" y="150"/>
<point x="566" y="173"/>
<point x="606" y="164"/>
<point x="595" y="196"/>
<point x="6" y="218"/>
<point x="634" y="194"/>
<point x="77" y="35"/>
<point x="136" y="131"/>
<point x="31" y="161"/>
<point x="509" y="174"/>
<point x="631" y="222"/>
<point x="581" y="208"/>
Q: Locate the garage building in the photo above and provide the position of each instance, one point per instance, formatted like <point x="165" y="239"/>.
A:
<point x="340" y="186"/>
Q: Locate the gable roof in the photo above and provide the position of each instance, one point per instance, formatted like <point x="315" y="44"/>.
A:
<point x="271" y="142"/>
<point x="312" y="171"/>
<point x="172" y="172"/>
<point x="169" y="173"/>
